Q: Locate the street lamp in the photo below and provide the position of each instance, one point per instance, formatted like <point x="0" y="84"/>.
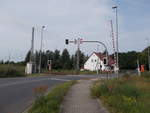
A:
<point x="117" y="60"/>
<point x="41" y="48"/>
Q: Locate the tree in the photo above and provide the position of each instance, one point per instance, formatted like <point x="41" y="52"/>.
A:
<point x="65" y="59"/>
<point x="56" y="60"/>
<point x="128" y="60"/>
<point x="49" y="55"/>
<point x="27" y="58"/>
<point x="73" y="62"/>
<point x="1" y="62"/>
<point x="82" y="59"/>
<point x="143" y="57"/>
<point x="44" y="60"/>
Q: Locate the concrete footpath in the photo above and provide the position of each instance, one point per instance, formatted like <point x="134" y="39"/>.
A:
<point x="78" y="100"/>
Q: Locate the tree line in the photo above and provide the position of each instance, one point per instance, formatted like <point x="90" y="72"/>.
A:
<point x="128" y="60"/>
<point x="64" y="60"/>
<point x="59" y="60"/>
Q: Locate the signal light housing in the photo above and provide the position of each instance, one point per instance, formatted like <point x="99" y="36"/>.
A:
<point x="67" y="41"/>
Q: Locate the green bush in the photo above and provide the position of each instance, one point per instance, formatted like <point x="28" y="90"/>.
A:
<point x="51" y="102"/>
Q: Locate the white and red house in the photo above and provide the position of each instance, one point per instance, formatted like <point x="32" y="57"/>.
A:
<point x="98" y="61"/>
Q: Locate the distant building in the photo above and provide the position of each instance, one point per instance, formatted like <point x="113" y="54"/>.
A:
<point x="98" y="61"/>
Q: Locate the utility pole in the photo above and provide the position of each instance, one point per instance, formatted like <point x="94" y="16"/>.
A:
<point x="117" y="56"/>
<point x="32" y="52"/>
<point x="148" y="49"/>
<point x="32" y="47"/>
<point x="78" y="54"/>
<point x="41" y="48"/>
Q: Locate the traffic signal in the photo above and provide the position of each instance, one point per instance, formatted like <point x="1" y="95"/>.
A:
<point x="67" y="41"/>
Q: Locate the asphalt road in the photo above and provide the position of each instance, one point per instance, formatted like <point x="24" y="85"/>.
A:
<point x="16" y="94"/>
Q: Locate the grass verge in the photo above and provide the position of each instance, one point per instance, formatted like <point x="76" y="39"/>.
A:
<point x="70" y="72"/>
<point x="11" y="70"/>
<point x="129" y="94"/>
<point x="51" y="102"/>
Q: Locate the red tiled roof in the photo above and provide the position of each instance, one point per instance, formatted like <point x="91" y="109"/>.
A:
<point x="101" y="56"/>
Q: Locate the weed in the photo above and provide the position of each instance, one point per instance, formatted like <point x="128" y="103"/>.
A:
<point x="130" y="94"/>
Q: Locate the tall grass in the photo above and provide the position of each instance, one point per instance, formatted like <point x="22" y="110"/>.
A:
<point x="11" y="70"/>
<point x="124" y="95"/>
<point x="51" y="102"/>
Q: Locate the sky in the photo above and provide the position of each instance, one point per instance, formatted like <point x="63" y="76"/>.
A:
<point x="71" y="19"/>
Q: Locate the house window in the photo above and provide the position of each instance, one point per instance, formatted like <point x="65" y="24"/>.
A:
<point x="95" y="60"/>
<point x="105" y="61"/>
<point x="92" y="60"/>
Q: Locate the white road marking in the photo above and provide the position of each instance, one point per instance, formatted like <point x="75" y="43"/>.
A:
<point x="24" y="82"/>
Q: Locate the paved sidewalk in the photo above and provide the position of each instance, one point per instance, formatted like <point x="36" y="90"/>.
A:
<point x="78" y="100"/>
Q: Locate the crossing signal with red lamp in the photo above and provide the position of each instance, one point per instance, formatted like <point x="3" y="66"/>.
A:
<point x="67" y="41"/>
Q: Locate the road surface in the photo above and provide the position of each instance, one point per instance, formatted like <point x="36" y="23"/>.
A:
<point x="16" y="94"/>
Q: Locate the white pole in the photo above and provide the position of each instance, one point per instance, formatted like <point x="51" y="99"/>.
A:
<point x="41" y="48"/>
<point x="117" y="60"/>
<point x="138" y="68"/>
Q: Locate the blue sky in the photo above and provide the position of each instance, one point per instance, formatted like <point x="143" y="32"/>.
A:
<point x="87" y="19"/>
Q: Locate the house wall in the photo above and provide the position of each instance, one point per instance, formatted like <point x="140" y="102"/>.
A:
<point x="93" y="63"/>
